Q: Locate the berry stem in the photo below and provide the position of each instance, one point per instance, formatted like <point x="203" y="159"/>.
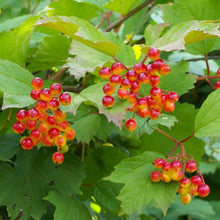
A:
<point x="171" y="158"/>
<point x="143" y="61"/>
<point x="183" y="149"/>
<point x="105" y="16"/>
<point x="190" y="136"/>
<point x="167" y="135"/>
<point x="35" y="7"/>
<point x="174" y="149"/>
<point x="205" y="77"/>
<point x="59" y="73"/>
<point x="200" y="174"/>
<point x="208" y="71"/>
<point x="116" y="59"/>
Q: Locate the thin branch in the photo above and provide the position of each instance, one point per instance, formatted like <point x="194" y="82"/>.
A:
<point x="105" y="16"/>
<point x="129" y="14"/>
<point x="186" y="139"/>
<point x="202" y="58"/>
<point x="205" y="77"/>
<point x="167" y="135"/>
<point x="35" y="7"/>
<point x="23" y="3"/>
<point x="174" y="149"/>
<point x="208" y="71"/>
<point x="59" y="73"/>
<point x="20" y="214"/>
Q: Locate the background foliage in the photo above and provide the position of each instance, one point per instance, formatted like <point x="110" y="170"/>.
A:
<point x="106" y="173"/>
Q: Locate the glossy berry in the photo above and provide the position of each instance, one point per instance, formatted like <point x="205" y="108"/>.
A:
<point x="172" y="96"/>
<point x="131" y="97"/>
<point x="57" y="158"/>
<point x="155" y="92"/>
<point x="21" y="115"/>
<point x="108" y="89"/>
<point x="18" y="127"/>
<point x="131" y="75"/>
<point x="143" y="112"/>
<point x="130" y="124"/>
<point x="35" y="94"/>
<point x="59" y="115"/>
<point x="33" y="114"/>
<point x="65" y="98"/>
<point x="30" y="124"/>
<point x="122" y="93"/>
<point x="218" y="72"/>
<point x="63" y="125"/>
<point x="169" y="106"/>
<point x="108" y="101"/>
<point x="154" y="80"/>
<point x="165" y="69"/>
<point x="177" y="175"/>
<point x="155" y="176"/>
<point x="166" y="177"/>
<point x="43" y="127"/>
<point x="139" y="68"/>
<point x="53" y="132"/>
<point x="37" y="83"/>
<point x="47" y="141"/>
<point x="154" y="114"/>
<point x="158" y="64"/>
<point x="45" y="94"/>
<point x="217" y="85"/>
<point x="191" y="166"/>
<point x="55" y="89"/>
<point x="69" y="133"/>
<point x="51" y="120"/>
<point x="153" y="53"/>
<point x="196" y="180"/>
<point x="26" y="143"/>
<point x="142" y="103"/>
<point x="158" y="163"/>
<point x="35" y="134"/>
<point x="185" y="198"/>
<point x="176" y="165"/>
<point x="53" y="104"/>
<point x="60" y="141"/>
<point x="105" y="73"/>
<point x="115" y="80"/>
<point x="125" y="83"/>
<point x="41" y="105"/>
<point x="117" y="68"/>
<point x="135" y="86"/>
<point x="143" y="78"/>
<point x="166" y="167"/>
<point x="193" y="190"/>
<point x="203" y="190"/>
<point x="185" y="182"/>
<point x="150" y="69"/>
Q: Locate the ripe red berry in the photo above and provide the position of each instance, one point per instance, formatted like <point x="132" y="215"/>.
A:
<point x="158" y="64"/>
<point x="165" y="69"/>
<point x="135" y="86"/>
<point x="47" y="141"/>
<point x="65" y="98"/>
<point x="142" y="103"/>
<point x="41" y="105"/>
<point x="115" y="80"/>
<point x="185" y="198"/>
<point x="37" y="83"/>
<point x="105" y="73"/>
<point x="108" y="89"/>
<point x="33" y="114"/>
<point x="70" y="133"/>
<point x="131" y="75"/>
<point x="155" y="92"/>
<point x="158" y="163"/>
<point x="155" y="176"/>
<point x="185" y="182"/>
<point x="53" y="104"/>
<point x="51" y="120"/>
<point x="131" y="97"/>
<point x="176" y="165"/>
<point x="150" y="69"/>
<point x="144" y="112"/>
<point x="217" y="85"/>
<point x="35" y="134"/>
<point x="139" y="68"/>
<point x="60" y="141"/>
<point x="108" y="101"/>
<point x="35" y="94"/>
<point x="153" y="53"/>
<point x="18" y="127"/>
<point x="168" y="106"/>
<point x="58" y="158"/>
<point x="172" y="96"/>
<point x="125" y="83"/>
<point x="117" y="68"/>
<point x="191" y="166"/>
<point x="218" y="72"/>
<point x="177" y="175"/>
<point x="154" y="114"/>
<point x="53" y="132"/>
<point x="122" y="93"/>
<point x="143" y="78"/>
<point x="154" y="80"/>
<point x="63" y="125"/>
<point x="166" y="167"/>
<point x="203" y="190"/>
<point x="55" y="89"/>
<point x="130" y="124"/>
<point x="45" y="94"/>
<point x="26" y="143"/>
<point x="30" y="124"/>
<point x="43" y="127"/>
<point x="21" y="115"/>
<point x="196" y="180"/>
<point x="59" y="115"/>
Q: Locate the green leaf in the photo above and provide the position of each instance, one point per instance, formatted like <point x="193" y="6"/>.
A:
<point x="105" y="193"/>
<point x="52" y="51"/>
<point x="83" y="10"/>
<point x="186" y="33"/>
<point x="15" y="83"/>
<point x="80" y="30"/>
<point x="8" y="146"/>
<point x="206" y="167"/>
<point x="197" y="209"/>
<point x="216" y="206"/>
<point x="177" y="80"/>
<point x="207" y="122"/>
<point x="86" y="59"/>
<point x="32" y="177"/>
<point x="68" y="207"/>
<point x="193" y="10"/>
<point x="138" y="190"/>
<point x="122" y="6"/>
<point x="14" y="44"/>
<point x="102" y="128"/>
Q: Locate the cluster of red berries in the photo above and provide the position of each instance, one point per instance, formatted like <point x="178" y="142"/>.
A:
<point x="45" y="123"/>
<point x="217" y="85"/>
<point x="175" y="171"/>
<point x="129" y="82"/>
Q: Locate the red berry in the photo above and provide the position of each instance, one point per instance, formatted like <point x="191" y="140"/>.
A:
<point x="35" y="134"/>
<point x="115" y="80"/>
<point x="155" y="176"/>
<point x="130" y="124"/>
<point x="158" y="64"/>
<point x="63" y="125"/>
<point x="166" y="166"/>
<point x="18" y="127"/>
<point x="217" y="85"/>
<point x="33" y="114"/>
<point x="135" y="86"/>
<point x="176" y="165"/>
<point x="196" y="180"/>
<point x="131" y="97"/>
<point x="117" y="68"/>
<point x="43" y="127"/>
<point x="35" y="94"/>
<point x="37" y="83"/>
<point x="203" y="190"/>
<point x="26" y="143"/>
<point x="30" y="124"/>
<point x="53" y="104"/>
<point x="21" y="115"/>
<point x="55" y="89"/>
<point x="125" y="83"/>
<point x="122" y="93"/>
<point x="59" y="115"/>
<point x="70" y="133"/>
<point x="185" y="198"/>
<point x="139" y="68"/>
<point x="57" y="158"/>
<point x="158" y="163"/>
<point x="53" y="132"/>
<point x="60" y="141"/>
<point x="172" y="97"/>
<point x="47" y="141"/>
<point x="218" y="72"/>
<point x="131" y="75"/>
<point x="144" y="112"/>
<point x="153" y="53"/>
<point x="108" y="89"/>
<point x="165" y="69"/>
<point x="169" y="106"/>
<point x="150" y="69"/>
<point x="65" y="98"/>
<point x="142" y="103"/>
<point x="108" y="101"/>
<point x="154" y="80"/>
<point x="51" y="120"/>
<point x="143" y="78"/>
<point x="191" y="166"/>
<point x="42" y="116"/>
<point x="45" y="94"/>
<point x="185" y="182"/>
<point x="177" y="175"/>
<point x="105" y="73"/>
<point x="154" y="114"/>
<point x="41" y="105"/>
<point x="155" y="92"/>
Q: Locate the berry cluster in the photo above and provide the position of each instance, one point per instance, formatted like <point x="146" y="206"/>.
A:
<point x="45" y="123"/>
<point x="175" y="171"/>
<point x="129" y="82"/>
<point x="217" y="85"/>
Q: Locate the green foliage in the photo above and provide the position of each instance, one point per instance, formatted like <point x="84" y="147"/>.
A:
<point x="106" y="172"/>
